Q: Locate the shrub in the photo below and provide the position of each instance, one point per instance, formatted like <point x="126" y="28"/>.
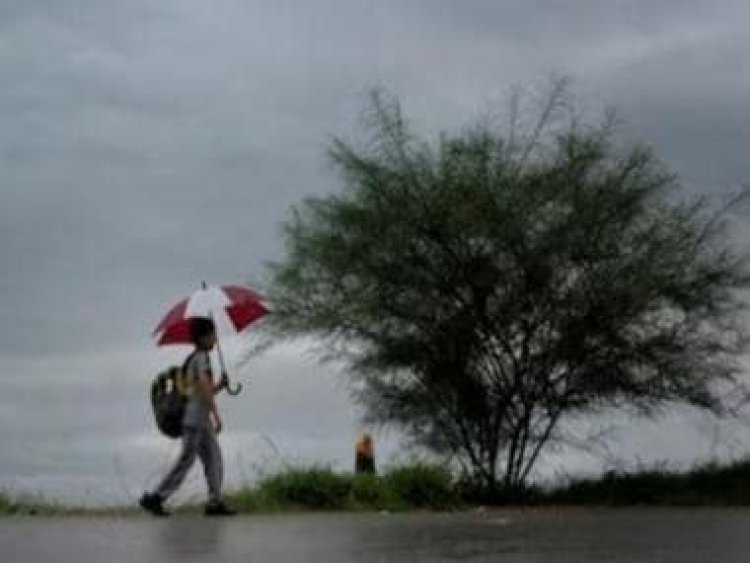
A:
<point x="317" y="488"/>
<point x="7" y="506"/>
<point x="371" y="491"/>
<point x="422" y="485"/>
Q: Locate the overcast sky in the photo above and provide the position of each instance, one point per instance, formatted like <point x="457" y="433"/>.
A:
<point x="146" y="146"/>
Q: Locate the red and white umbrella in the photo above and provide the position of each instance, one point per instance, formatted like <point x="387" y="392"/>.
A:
<point x="229" y="305"/>
<point x="233" y="305"/>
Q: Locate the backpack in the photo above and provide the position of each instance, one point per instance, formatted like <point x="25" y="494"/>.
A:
<point x="169" y="396"/>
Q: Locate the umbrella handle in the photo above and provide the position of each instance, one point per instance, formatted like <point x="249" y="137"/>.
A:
<point x="238" y="386"/>
<point x="236" y="390"/>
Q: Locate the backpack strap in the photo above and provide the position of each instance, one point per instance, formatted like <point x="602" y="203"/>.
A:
<point x="182" y="383"/>
<point x="187" y="361"/>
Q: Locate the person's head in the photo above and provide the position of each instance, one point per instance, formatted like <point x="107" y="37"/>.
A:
<point x="203" y="333"/>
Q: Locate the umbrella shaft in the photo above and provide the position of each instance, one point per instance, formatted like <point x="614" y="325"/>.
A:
<point x="237" y="387"/>
<point x="221" y="357"/>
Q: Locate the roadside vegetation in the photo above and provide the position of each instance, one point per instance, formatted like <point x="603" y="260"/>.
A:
<point x="704" y="485"/>
<point x="39" y="505"/>
<point x="422" y="486"/>
<point x="418" y="486"/>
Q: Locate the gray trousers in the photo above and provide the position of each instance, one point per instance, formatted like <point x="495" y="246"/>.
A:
<point x="199" y="442"/>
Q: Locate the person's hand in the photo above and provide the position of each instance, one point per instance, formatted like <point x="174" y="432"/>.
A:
<point x="224" y="381"/>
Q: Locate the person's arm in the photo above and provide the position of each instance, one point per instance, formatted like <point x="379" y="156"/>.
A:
<point x="206" y="388"/>
<point x="222" y="384"/>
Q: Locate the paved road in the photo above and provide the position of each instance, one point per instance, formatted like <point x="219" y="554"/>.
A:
<point x="566" y="535"/>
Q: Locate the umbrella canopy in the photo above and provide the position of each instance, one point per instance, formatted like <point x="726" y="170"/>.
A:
<point x="240" y="306"/>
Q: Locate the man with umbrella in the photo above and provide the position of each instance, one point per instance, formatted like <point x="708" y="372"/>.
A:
<point x="193" y="318"/>
<point x="201" y="423"/>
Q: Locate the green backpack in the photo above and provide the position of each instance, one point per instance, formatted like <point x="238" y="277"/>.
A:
<point x="169" y="396"/>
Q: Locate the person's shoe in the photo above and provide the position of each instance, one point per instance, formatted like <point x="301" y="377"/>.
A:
<point x="152" y="503"/>
<point x="219" y="509"/>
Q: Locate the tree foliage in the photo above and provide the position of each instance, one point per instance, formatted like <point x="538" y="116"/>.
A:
<point x="487" y="286"/>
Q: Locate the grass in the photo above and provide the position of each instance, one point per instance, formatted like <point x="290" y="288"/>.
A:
<point x="316" y="488"/>
<point x="704" y="485"/>
<point x="31" y="506"/>
<point x="422" y="486"/>
<point x="28" y="505"/>
<point x="38" y="505"/>
<point x="419" y="486"/>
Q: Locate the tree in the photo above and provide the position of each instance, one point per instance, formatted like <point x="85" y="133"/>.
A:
<point x="486" y="288"/>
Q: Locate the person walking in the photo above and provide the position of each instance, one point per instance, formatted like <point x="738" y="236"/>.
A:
<point x="201" y="423"/>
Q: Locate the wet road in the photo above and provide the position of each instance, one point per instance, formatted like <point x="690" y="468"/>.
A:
<point x="565" y="535"/>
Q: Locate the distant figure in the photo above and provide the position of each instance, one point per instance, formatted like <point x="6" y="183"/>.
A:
<point x="364" y="460"/>
<point x="201" y="423"/>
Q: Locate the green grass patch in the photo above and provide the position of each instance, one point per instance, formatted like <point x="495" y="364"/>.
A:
<point x="704" y="485"/>
<point x="422" y="486"/>
<point x="27" y="504"/>
<point x="370" y="492"/>
<point x="315" y="488"/>
<point x="318" y="488"/>
<point x="36" y="505"/>
<point x="6" y="504"/>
